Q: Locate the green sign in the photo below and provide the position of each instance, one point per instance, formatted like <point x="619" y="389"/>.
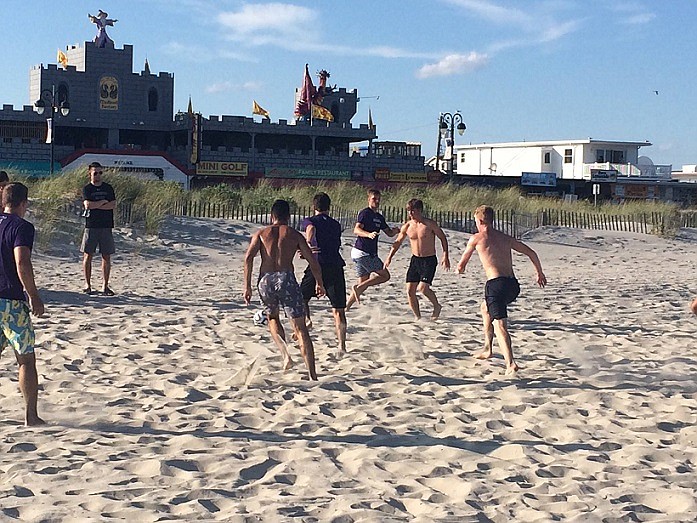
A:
<point x="308" y="174"/>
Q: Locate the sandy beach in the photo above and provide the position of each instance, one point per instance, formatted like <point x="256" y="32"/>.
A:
<point x="166" y="402"/>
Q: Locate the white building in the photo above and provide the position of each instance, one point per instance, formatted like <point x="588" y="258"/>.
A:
<point x="687" y="174"/>
<point x="543" y="163"/>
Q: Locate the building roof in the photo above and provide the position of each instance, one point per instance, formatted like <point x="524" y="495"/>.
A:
<point x="551" y="143"/>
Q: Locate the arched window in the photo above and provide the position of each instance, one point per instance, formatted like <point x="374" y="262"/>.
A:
<point x="62" y="94"/>
<point x="152" y="99"/>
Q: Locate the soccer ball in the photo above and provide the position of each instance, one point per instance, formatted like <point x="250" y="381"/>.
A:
<point x="260" y="318"/>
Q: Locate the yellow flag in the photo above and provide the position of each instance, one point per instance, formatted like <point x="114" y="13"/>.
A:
<point x="258" y="109"/>
<point x="62" y="59"/>
<point x="321" y="113"/>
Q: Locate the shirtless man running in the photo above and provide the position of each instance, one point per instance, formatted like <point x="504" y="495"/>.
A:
<point x="494" y="249"/>
<point x="422" y="234"/>
<point x="277" y="285"/>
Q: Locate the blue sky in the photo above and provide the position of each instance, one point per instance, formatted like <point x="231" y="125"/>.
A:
<point x="517" y="70"/>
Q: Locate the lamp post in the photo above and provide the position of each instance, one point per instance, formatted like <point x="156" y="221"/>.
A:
<point x="47" y="100"/>
<point x="447" y="122"/>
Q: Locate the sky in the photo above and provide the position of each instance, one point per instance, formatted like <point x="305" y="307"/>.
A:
<point x="523" y="70"/>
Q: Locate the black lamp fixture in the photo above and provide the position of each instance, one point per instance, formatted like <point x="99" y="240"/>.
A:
<point x="47" y="100"/>
<point x="447" y="123"/>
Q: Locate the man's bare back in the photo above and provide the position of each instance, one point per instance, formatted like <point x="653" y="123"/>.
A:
<point x="494" y="249"/>
<point x="278" y="245"/>
<point x="278" y="288"/>
<point x="495" y="252"/>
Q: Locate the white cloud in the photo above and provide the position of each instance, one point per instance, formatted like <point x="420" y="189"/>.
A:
<point x="495" y="13"/>
<point x="545" y="15"/>
<point x="225" y="87"/>
<point x="219" y="87"/>
<point x="558" y="31"/>
<point x="293" y="28"/>
<point x="251" y="86"/>
<point x="632" y="13"/>
<point x="453" y="64"/>
<point x="394" y="52"/>
<point x="639" y="19"/>
<point x="188" y="53"/>
<point x="270" y="24"/>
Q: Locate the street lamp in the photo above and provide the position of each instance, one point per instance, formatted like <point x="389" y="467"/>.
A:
<point x="446" y="125"/>
<point x="49" y="97"/>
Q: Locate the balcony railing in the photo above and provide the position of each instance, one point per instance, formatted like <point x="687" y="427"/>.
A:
<point x="660" y="172"/>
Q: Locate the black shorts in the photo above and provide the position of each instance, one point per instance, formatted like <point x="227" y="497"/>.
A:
<point x="498" y="293"/>
<point x="422" y="269"/>
<point x="102" y="238"/>
<point x="334" y="284"/>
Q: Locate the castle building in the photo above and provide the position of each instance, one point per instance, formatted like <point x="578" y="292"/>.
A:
<point x="126" y="120"/>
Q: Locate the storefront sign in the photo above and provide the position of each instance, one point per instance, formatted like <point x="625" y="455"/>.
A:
<point x="400" y="177"/>
<point x="632" y="191"/>
<point x="147" y="167"/>
<point x="602" y="175"/>
<point x="221" y="169"/>
<point x="109" y="93"/>
<point x="539" y="179"/>
<point x="195" y="138"/>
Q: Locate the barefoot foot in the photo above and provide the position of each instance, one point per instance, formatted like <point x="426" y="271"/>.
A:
<point x="436" y="311"/>
<point x="484" y="355"/>
<point x="356" y="294"/>
<point x="287" y="363"/>
<point x="512" y="369"/>
<point x="34" y="421"/>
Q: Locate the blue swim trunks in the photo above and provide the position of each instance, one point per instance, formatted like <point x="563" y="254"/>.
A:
<point x="281" y="289"/>
<point x="17" y="329"/>
<point x="366" y="265"/>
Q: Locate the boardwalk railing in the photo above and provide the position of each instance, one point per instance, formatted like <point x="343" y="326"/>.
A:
<point x="515" y="223"/>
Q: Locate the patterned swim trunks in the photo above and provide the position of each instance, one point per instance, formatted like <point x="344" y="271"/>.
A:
<point x="281" y="289"/>
<point x="17" y="330"/>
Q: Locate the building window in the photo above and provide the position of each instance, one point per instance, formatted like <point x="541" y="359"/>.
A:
<point x="568" y="156"/>
<point x="152" y="99"/>
<point x="617" y="156"/>
<point x="62" y="94"/>
<point x="600" y="156"/>
<point x="548" y="157"/>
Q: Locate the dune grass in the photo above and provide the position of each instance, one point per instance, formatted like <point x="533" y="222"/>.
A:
<point x="148" y="202"/>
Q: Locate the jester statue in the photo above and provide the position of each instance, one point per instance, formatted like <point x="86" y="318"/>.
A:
<point x="101" y="21"/>
<point x="310" y="98"/>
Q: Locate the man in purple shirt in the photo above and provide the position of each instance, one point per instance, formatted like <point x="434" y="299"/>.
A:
<point x="323" y="235"/>
<point x="369" y="267"/>
<point x="16" y="278"/>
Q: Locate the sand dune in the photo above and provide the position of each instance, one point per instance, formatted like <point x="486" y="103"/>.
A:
<point x="166" y="403"/>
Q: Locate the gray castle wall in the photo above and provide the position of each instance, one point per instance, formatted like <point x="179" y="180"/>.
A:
<point x="87" y="65"/>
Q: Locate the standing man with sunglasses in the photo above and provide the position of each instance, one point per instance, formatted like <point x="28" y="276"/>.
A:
<point x="99" y="203"/>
